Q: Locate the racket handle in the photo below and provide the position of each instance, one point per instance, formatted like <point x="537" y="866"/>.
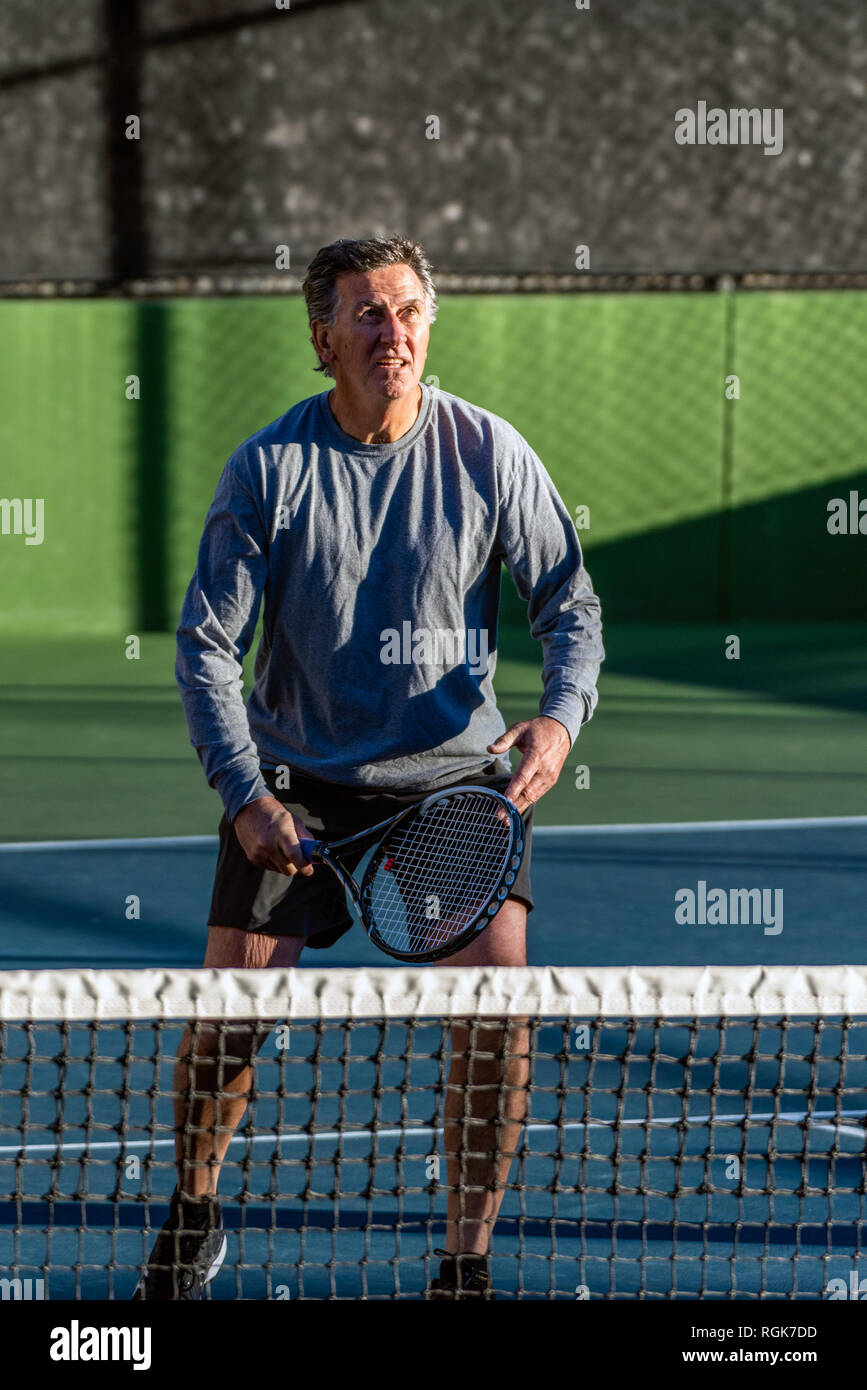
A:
<point x="311" y="849"/>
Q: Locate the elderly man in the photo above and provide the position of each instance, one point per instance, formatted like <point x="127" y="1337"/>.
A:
<point x="381" y="503"/>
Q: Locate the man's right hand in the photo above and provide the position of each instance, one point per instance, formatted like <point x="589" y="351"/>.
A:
<point x="269" y="835"/>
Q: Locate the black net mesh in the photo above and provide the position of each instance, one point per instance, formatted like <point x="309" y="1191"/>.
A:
<point x="651" y="1157"/>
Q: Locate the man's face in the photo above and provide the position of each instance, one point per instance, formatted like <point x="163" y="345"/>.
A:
<point x="378" y="344"/>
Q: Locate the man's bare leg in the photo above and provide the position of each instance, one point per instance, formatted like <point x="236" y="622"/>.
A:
<point x="206" y="1120"/>
<point x="478" y="1084"/>
<point x="486" y="1095"/>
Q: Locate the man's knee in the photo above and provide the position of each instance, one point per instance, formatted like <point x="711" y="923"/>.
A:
<point x="229" y="948"/>
<point x="503" y="942"/>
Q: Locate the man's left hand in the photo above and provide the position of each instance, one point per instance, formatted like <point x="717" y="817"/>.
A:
<point x="545" y="745"/>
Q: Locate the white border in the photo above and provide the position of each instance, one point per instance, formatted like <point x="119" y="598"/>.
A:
<point x="437" y="992"/>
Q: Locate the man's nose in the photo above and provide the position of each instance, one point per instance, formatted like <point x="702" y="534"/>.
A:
<point x="392" y="329"/>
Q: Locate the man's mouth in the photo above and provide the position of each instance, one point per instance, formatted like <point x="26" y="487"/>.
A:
<point x="390" y="362"/>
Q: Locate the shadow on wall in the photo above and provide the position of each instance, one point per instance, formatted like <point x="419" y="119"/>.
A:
<point x="822" y="664"/>
<point x="769" y="560"/>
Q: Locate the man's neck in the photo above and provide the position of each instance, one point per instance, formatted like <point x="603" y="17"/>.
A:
<point x="379" y="422"/>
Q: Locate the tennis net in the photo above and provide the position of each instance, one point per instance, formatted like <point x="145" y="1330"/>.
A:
<point x="685" y="1133"/>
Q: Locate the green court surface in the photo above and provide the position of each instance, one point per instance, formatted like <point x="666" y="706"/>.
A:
<point x="95" y="745"/>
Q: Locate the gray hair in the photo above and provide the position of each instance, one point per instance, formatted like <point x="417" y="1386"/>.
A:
<point x="347" y="257"/>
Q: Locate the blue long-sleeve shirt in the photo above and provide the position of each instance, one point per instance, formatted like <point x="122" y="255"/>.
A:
<point x="379" y="569"/>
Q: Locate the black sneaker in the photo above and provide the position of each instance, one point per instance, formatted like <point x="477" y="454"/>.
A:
<point x="187" y="1253"/>
<point x="461" y="1276"/>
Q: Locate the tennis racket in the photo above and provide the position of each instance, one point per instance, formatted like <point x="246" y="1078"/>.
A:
<point x="439" y="872"/>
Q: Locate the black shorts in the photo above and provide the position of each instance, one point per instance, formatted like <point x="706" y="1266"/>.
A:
<point x="315" y="907"/>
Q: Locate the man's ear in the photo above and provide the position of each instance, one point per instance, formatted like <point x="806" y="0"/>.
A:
<point x="320" y="332"/>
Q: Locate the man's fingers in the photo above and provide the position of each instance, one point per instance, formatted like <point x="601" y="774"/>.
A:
<point x="524" y="800"/>
<point x="289" y="856"/>
<point x="269" y="836"/>
<point x="523" y="795"/>
<point x="508" y="739"/>
<point x="530" y="782"/>
<point x="526" y="772"/>
<point x="305" y="864"/>
<point x="544" y="744"/>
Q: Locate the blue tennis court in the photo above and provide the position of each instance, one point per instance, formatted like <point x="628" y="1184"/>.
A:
<point x="605" y="896"/>
<point x="677" y="1161"/>
<point x="622" y="1185"/>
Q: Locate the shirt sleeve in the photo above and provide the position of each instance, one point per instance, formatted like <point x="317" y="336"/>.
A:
<point x="217" y="624"/>
<point x="542" y="553"/>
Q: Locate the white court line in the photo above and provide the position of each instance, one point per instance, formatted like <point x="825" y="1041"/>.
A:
<point x="145" y="842"/>
<point x="427" y="1132"/>
<point x="685" y="826"/>
<point x="639" y="828"/>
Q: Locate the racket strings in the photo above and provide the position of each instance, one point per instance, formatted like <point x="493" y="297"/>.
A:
<point x="436" y="873"/>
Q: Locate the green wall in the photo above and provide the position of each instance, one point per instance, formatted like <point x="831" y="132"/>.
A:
<point x="699" y="507"/>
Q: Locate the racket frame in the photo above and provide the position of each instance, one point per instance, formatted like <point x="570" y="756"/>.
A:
<point x="323" y="852"/>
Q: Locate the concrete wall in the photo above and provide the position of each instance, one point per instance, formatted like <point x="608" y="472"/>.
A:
<point x="556" y="127"/>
